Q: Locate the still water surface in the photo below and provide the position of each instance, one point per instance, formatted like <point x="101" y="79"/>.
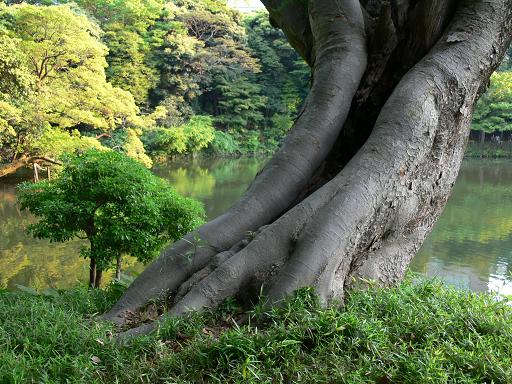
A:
<point x="471" y="245"/>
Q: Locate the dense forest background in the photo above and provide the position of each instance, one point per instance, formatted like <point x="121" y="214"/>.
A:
<point x="158" y="78"/>
<point x="146" y="77"/>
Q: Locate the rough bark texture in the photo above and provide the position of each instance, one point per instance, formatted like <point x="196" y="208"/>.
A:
<point x="337" y="75"/>
<point x="368" y="166"/>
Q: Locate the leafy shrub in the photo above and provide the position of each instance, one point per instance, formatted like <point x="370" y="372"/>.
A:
<point x="191" y="137"/>
<point x="165" y="141"/>
<point x="114" y="202"/>
<point x="199" y="132"/>
<point x="249" y="141"/>
<point x="224" y="143"/>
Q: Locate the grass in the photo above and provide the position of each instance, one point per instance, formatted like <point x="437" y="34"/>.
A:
<point x="416" y="333"/>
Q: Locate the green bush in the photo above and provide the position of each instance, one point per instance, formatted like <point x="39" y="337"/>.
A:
<point x="224" y="143"/>
<point x="421" y="332"/>
<point x="114" y="202"/>
<point x="165" y="141"/>
<point x="249" y="141"/>
<point x="191" y="137"/>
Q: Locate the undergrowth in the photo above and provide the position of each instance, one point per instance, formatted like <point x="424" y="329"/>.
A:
<point x="416" y="333"/>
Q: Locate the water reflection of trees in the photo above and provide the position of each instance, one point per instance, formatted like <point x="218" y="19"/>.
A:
<point x="474" y="234"/>
<point x="218" y="182"/>
<point x="41" y="264"/>
<point x="26" y="261"/>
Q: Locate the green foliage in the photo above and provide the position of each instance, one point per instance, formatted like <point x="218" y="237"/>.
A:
<point x="489" y="150"/>
<point x="89" y="65"/>
<point x="55" y="142"/>
<point x="68" y="62"/>
<point x="17" y="81"/>
<point x="494" y="109"/>
<point x="134" y="148"/>
<point x="15" y="91"/>
<point x="202" y="40"/>
<point x="127" y="35"/>
<point x="249" y="141"/>
<point x="224" y="143"/>
<point x="127" y="62"/>
<point x="113" y="201"/>
<point x="283" y="79"/>
<point x="59" y="68"/>
<point x="238" y="103"/>
<point x="199" y="132"/>
<point x="191" y="137"/>
<point x="165" y="141"/>
<point x="419" y="332"/>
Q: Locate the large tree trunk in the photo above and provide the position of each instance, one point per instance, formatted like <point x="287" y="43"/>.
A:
<point x="368" y="166"/>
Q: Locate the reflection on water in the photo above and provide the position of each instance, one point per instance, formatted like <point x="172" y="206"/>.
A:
<point x="218" y="183"/>
<point x="471" y="245"/>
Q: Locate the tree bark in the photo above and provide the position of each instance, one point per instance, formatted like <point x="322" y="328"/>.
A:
<point x="92" y="273"/>
<point x="97" y="279"/>
<point x="368" y="167"/>
<point x="36" y="172"/>
<point x="342" y="52"/>
<point x="118" y="267"/>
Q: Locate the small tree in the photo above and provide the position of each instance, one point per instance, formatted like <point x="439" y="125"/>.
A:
<point x="115" y="203"/>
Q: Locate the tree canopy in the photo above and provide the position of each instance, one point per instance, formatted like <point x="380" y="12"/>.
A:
<point x="59" y="53"/>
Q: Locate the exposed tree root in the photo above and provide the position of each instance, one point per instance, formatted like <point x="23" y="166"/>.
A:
<point x="340" y="51"/>
<point x="369" y="220"/>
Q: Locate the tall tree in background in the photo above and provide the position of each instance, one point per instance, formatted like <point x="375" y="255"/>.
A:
<point x="368" y="166"/>
<point x="126" y="27"/>
<point x="16" y="90"/>
<point x="203" y="48"/>
<point x="200" y="57"/>
<point x="59" y="52"/>
<point x="284" y="76"/>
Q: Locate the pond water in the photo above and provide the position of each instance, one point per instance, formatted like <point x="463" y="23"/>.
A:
<point x="471" y="245"/>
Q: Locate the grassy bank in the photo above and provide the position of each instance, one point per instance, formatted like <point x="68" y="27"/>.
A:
<point x="421" y="333"/>
<point x="489" y="150"/>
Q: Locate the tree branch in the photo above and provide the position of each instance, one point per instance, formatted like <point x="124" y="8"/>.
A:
<point x="25" y="160"/>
